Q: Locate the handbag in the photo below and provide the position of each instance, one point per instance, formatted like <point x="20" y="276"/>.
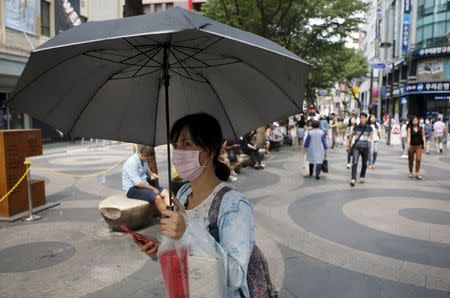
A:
<point x="325" y="166"/>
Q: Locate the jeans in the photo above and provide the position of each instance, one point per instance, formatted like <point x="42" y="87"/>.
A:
<point x="364" y="152"/>
<point x="349" y="157"/>
<point x="318" y="169"/>
<point x="373" y="159"/>
<point x="143" y="194"/>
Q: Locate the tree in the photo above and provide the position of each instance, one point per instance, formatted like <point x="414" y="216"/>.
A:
<point x="312" y="29"/>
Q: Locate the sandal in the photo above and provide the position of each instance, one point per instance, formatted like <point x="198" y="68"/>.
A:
<point x="418" y="177"/>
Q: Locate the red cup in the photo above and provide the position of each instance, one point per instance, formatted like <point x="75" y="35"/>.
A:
<point x="174" y="267"/>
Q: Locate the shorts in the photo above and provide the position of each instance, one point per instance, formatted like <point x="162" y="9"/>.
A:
<point x="438" y="139"/>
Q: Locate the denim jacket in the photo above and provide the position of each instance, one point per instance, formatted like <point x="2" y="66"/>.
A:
<point x="236" y="233"/>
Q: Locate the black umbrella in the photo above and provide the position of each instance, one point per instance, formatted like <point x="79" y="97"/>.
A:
<point x="105" y="79"/>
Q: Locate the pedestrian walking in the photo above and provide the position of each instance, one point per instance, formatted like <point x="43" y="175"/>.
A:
<point x="428" y="135"/>
<point x="439" y="128"/>
<point x="403" y="129"/>
<point x="376" y="141"/>
<point x="416" y="142"/>
<point x="348" y="134"/>
<point x="316" y="146"/>
<point x="363" y="135"/>
<point x="301" y="123"/>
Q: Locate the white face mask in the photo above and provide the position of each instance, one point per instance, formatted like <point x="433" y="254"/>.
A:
<point x="187" y="164"/>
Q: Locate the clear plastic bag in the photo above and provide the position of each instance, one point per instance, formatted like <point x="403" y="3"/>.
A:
<point x="173" y="260"/>
<point x="190" y="266"/>
<point x="207" y="272"/>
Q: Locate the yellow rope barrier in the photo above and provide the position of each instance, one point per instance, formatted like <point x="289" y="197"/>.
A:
<point x="28" y="164"/>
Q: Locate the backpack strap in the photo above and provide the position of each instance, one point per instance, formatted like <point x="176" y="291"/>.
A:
<point x="213" y="214"/>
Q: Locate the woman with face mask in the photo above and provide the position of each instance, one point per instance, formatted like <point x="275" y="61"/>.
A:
<point x="197" y="141"/>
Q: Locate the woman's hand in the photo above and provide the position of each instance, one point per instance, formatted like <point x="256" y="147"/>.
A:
<point x="151" y="248"/>
<point x="174" y="224"/>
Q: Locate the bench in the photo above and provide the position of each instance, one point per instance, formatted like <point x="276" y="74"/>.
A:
<point x="118" y="210"/>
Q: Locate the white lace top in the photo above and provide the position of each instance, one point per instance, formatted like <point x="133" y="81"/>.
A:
<point x="201" y="211"/>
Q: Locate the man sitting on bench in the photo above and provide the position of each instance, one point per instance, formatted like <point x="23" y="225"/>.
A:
<point x="137" y="177"/>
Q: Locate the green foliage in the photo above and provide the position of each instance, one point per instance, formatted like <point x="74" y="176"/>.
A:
<point x="312" y="29"/>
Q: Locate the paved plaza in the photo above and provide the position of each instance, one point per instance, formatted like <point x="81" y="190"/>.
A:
<point x="389" y="237"/>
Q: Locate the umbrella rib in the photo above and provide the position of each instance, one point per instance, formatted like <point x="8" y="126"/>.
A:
<point x="195" y="58"/>
<point x="182" y="75"/>
<point x="221" y="103"/>
<point x="156" y="111"/>
<point x="88" y="103"/>
<point x="38" y="77"/>
<point x="199" y="51"/>
<point x="212" y="66"/>
<point x="269" y="79"/>
<point x="145" y="64"/>
<point x="137" y="76"/>
<point x="142" y="52"/>
<point x="181" y="63"/>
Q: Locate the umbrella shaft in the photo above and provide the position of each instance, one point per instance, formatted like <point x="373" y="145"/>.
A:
<point x="166" y="78"/>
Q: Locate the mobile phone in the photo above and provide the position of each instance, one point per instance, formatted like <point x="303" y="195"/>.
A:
<point x="139" y="237"/>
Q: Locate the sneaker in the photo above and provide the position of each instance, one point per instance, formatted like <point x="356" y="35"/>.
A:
<point x="233" y="173"/>
<point x="232" y="179"/>
<point x="362" y="180"/>
<point x="317" y="178"/>
<point x="352" y="182"/>
<point x="263" y="165"/>
<point x="349" y="166"/>
<point x="404" y="156"/>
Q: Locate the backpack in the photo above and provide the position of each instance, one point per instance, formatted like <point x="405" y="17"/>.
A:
<point x="258" y="275"/>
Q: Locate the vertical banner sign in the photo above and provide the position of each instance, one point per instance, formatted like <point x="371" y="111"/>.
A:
<point x="406" y="25"/>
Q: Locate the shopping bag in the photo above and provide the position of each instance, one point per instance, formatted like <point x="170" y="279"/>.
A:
<point x="207" y="274"/>
<point x="173" y="260"/>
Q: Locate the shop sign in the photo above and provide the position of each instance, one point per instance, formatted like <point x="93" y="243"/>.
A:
<point x="429" y="52"/>
<point x="428" y="87"/>
<point x="378" y="65"/>
<point x="442" y="97"/>
<point x="21" y="15"/>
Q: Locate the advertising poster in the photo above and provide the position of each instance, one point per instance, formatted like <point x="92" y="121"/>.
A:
<point x="21" y="15"/>
<point x="434" y="69"/>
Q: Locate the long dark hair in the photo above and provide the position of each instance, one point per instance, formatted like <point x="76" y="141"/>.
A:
<point x="411" y="125"/>
<point x="205" y="132"/>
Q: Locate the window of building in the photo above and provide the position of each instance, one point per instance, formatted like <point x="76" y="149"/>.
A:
<point x="441" y="5"/>
<point x="428" y="20"/>
<point x="169" y="5"/>
<point x="45" y="18"/>
<point x="427" y="32"/>
<point x="439" y="17"/>
<point x="158" y="7"/>
<point x="439" y="29"/>
<point x="419" y="35"/>
<point x="428" y="7"/>
<point x="147" y="8"/>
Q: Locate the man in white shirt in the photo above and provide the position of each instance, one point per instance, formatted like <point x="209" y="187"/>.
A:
<point x="439" y="128"/>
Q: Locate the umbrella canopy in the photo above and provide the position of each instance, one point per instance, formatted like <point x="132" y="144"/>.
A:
<point x="106" y="79"/>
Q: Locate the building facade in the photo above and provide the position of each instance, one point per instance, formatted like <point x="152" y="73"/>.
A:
<point x="415" y="49"/>
<point x="24" y="25"/>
